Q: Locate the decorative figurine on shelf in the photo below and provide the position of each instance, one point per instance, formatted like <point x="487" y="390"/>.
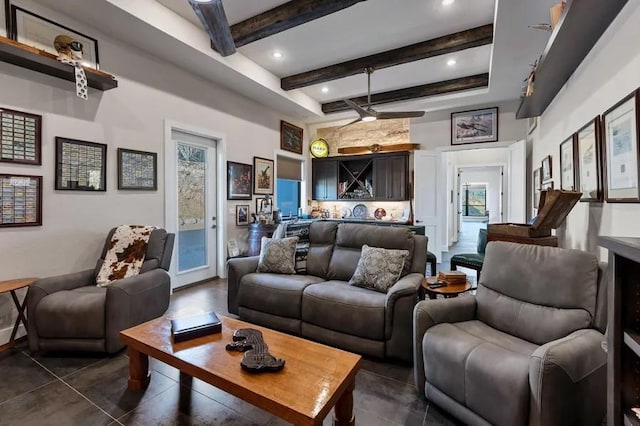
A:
<point x="70" y="52"/>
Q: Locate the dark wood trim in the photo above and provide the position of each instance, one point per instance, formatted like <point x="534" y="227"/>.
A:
<point x="214" y="21"/>
<point x="415" y="92"/>
<point x="438" y="46"/>
<point x="7" y="17"/>
<point x="284" y="17"/>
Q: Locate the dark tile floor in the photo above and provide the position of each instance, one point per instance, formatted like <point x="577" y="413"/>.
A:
<point x="87" y="389"/>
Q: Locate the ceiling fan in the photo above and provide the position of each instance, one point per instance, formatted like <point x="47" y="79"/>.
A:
<point x="369" y="114"/>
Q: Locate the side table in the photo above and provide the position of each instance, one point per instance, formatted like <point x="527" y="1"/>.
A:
<point x="451" y="290"/>
<point x="12" y="286"/>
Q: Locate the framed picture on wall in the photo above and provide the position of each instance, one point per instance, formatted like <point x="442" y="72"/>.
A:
<point x="589" y="164"/>
<point x="239" y="181"/>
<point x="20" y="137"/>
<point x="536" y="183"/>
<point x="80" y="165"/>
<point x="290" y="137"/>
<point x="567" y="164"/>
<point x="242" y="215"/>
<point x="546" y="169"/>
<point x="264" y="205"/>
<point x="263" y="176"/>
<point x="21" y="200"/>
<point x="620" y="140"/>
<point x="475" y="126"/>
<point x="137" y="170"/>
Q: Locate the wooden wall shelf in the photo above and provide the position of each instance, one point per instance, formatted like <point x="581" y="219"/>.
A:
<point x="582" y="24"/>
<point x="25" y="56"/>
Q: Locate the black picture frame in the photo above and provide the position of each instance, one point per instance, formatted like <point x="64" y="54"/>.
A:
<point x="21" y="200"/>
<point x="239" y="181"/>
<point x="20" y="137"/>
<point x="589" y="160"/>
<point x="80" y="165"/>
<point x="568" y="157"/>
<point x="547" y="170"/>
<point x="242" y="215"/>
<point x="137" y="170"/>
<point x="475" y="126"/>
<point x="291" y="137"/>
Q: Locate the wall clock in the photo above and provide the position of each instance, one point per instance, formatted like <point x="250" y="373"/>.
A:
<point x="319" y="148"/>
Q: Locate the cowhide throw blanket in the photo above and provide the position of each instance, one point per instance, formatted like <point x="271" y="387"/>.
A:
<point x="125" y="253"/>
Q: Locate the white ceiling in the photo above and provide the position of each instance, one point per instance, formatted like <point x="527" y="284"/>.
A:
<point x="365" y="28"/>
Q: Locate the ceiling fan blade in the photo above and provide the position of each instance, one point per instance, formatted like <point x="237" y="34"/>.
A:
<point x="214" y="21"/>
<point x="357" y="120"/>
<point x="357" y="108"/>
<point x="399" y="114"/>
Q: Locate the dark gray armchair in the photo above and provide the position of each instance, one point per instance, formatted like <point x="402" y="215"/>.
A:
<point x="526" y="349"/>
<point x="68" y="312"/>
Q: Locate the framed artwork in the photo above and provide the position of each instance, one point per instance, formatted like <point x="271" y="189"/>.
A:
<point x="290" y="137"/>
<point x="263" y="177"/>
<point x="620" y="140"/>
<point x="239" y="181"/>
<point x="232" y="248"/>
<point x="589" y="162"/>
<point x="80" y="165"/>
<point x="39" y="32"/>
<point x="475" y="126"/>
<point x="20" y="200"/>
<point x="137" y="170"/>
<point x="536" y="183"/>
<point x="242" y="214"/>
<point x="568" y="155"/>
<point x="546" y="169"/>
<point x="20" y="137"/>
<point x="264" y="205"/>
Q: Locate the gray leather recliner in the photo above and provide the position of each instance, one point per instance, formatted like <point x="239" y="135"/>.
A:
<point x="68" y="312"/>
<point x="526" y="349"/>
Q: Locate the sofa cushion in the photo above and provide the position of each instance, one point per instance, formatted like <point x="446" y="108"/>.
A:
<point x="378" y="268"/>
<point x="275" y="294"/>
<point x="77" y="314"/>
<point x="322" y="236"/>
<point x="335" y="305"/>
<point x="455" y="357"/>
<point x="277" y="255"/>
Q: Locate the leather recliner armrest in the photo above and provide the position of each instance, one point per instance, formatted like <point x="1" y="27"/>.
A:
<point x="236" y="269"/>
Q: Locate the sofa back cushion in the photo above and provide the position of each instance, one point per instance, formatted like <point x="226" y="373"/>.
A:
<point x="322" y="236"/>
<point x="351" y="237"/>
<point x="537" y="293"/>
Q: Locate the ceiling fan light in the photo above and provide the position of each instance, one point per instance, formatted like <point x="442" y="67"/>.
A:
<point x="369" y="118"/>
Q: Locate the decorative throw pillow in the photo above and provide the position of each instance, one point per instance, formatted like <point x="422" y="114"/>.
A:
<point x="125" y="254"/>
<point x="277" y="255"/>
<point x="378" y="268"/>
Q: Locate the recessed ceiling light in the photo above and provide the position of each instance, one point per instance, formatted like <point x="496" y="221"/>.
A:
<point x="277" y="54"/>
<point x="325" y="89"/>
<point x="447" y="2"/>
<point x="451" y="62"/>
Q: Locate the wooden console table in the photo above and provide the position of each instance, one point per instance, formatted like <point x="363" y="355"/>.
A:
<point x="12" y="286"/>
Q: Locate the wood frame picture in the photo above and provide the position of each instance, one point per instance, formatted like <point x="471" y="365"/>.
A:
<point x="20" y="137"/>
<point x="137" y="170"/>
<point x="80" y="165"/>
<point x="291" y="137"/>
<point x="475" y="126"/>
<point x="264" y="203"/>
<point x="621" y="151"/>
<point x="568" y="155"/>
<point x="242" y="215"/>
<point x="589" y="163"/>
<point x="546" y="169"/>
<point x="262" y="176"/>
<point x="21" y="200"/>
<point x="239" y="181"/>
<point x="43" y="31"/>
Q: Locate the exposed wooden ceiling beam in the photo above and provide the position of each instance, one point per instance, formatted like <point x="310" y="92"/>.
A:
<point x="438" y="46"/>
<point x="284" y="17"/>
<point x="415" y="92"/>
<point x="214" y="21"/>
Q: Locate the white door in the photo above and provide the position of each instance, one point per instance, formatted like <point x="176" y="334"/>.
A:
<point x="431" y="204"/>
<point x="517" y="183"/>
<point x="191" y="206"/>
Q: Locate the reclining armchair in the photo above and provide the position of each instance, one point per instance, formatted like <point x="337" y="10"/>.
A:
<point x="526" y="349"/>
<point x="69" y="312"/>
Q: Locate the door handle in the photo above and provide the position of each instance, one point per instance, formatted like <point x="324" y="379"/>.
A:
<point x="213" y="218"/>
<point x="213" y="226"/>
<point x="418" y="221"/>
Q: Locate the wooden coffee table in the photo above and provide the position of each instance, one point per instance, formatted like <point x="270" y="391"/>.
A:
<point x="314" y="379"/>
<point x="448" y="291"/>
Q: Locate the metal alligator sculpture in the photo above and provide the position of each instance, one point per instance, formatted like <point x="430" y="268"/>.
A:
<point x="256" y="352"/>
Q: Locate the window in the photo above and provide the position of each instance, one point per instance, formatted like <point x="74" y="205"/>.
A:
<point x="288" y="185"/>
<point x="474" y="199"/>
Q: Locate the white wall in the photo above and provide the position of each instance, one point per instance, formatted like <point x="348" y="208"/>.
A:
<point x="131" y="116"/>
<point x="608" y="74"/>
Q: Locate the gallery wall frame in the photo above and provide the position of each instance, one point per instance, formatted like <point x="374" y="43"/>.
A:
<point x="546" y="169"/>
<point x="21" y="200"/>
<point x="262" y="176"/>
<point x="474" y="126"/>
<point x="242" y="215"/>
<point x="239" y="181"/>
<point x="568" y="155"/>
<point x="137" y="170"/>
<point x="589" y="161"/>
<point x="80" y="165"/>
<point x="264" y="205"/>
<point x="620" y="148"/>
<point x="20" y="137"/>
<point x="291" y="137"/>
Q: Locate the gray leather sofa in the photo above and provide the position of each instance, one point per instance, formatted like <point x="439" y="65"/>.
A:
<point x="322" y="306"/>
<point x="68" y="312"/>
<point x="526" y="349"/>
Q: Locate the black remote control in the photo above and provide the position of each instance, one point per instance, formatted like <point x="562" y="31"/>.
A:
<point x="438" y="284"/>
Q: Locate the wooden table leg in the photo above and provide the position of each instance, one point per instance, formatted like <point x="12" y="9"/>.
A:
<point x="21" y="317"/>
<point x="138" y="370"/>
<point x="344" y="408"/>
<point x="432" y="295"/>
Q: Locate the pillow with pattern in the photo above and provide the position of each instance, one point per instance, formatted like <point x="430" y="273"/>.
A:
<point x="378" y="268"/>
<point x="278" y="255"/>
